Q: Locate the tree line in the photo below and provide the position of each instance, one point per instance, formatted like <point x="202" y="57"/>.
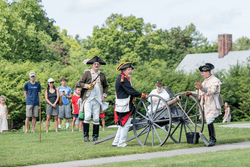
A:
<point x="29" y="41"/>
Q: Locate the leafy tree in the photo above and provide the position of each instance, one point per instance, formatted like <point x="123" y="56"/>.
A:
<point x="69" y="40"/>
<point x="208" y="48"/>
<point x="242" y="43"/>
<point x="25" y="31"/>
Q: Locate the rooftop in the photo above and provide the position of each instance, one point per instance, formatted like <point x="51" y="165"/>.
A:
<point x="191" y="62"/>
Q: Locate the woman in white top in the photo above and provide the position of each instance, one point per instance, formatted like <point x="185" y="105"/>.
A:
<point x="3" y="115"/>
<point x="160" y="92"/>
<point x="227" y="116"/>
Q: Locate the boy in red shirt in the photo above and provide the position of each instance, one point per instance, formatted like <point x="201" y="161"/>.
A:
<point x="74" y="102"/>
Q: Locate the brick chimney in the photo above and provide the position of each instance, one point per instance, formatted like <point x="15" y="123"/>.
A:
<point x="224" y="44"/>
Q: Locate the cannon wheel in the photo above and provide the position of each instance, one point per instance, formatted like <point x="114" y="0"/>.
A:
<point x="182" y="123"/>
<point x="152" y="124"/>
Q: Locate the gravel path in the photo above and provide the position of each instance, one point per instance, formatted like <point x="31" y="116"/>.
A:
<point x="243" y="125"/>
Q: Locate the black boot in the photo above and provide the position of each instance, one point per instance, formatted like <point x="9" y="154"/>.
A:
<point x="95" y="132"/>
<point x="211" y="134"/>
<point x="86" y="132"/>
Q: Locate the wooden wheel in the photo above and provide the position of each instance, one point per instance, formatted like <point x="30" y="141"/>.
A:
<point x="149" y="121"/>
<point x="180" y="123"/>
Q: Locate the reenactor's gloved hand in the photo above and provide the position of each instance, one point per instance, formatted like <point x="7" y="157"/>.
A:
<point x="143" y="95"/>
<point x="187" y="93"/>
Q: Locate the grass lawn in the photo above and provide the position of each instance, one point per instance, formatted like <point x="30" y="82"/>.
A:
<point x="19" y="149"/>
<point x="234" y="158"/>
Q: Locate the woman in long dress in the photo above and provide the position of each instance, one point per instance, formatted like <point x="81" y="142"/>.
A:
<point x="3" y="115"/>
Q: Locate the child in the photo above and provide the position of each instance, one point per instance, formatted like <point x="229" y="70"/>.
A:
<point x="3" y="115"/>
<point x="81" y="114"/>
<point x="64" y="110"/>
<point x="74" y="102"/>
<point x="77" y="119"/>
<point x="102" y="116"/>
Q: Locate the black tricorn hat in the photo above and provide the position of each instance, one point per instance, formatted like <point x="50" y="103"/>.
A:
<point x="96" y="59"/>
<point x="206" y="67"/>
<point x="123" y="66"/>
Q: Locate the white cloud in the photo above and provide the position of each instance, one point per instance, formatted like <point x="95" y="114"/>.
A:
<point x="88" y="5"/>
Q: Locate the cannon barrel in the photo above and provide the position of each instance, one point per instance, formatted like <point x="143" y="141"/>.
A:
<point x="174" y="101"/>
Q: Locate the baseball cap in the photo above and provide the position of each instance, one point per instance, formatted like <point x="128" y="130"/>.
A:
<point x="50" y="80"/>
<point x="32" y="74"/>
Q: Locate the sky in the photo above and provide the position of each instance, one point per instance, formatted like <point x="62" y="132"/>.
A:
<point x="211" y="17"/>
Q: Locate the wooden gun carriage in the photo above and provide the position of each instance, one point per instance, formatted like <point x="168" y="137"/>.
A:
<point x="154" y="124"/>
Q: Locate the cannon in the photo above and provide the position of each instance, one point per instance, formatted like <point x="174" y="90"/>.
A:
<point x="156" y="120"/>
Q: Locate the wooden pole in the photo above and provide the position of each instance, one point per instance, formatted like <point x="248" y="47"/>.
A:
<point x="40" y="118"/>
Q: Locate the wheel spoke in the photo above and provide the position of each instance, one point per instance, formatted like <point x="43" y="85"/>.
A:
<point x="194" y="116"/>
<point x="157" y="107"/>
<point x="185" y="128"/>
<point x="189" y="127"/>
<point x="139" y="123"/>
<point x="157" y="134"/>
<point x="142" y="115"/>
<point x="145" y="106"/>
<point x="160" y="113"/>
<point x="198" y="125"/>
<point x="160" y="127"/>
<point x="152" y="137"/>
<point x="142" y="132"/>
<point x="147" y="136"/>
<point x="180" y="133"/>
<point x="176" y="128"/>
<point x="185" y="108"/>
<point x="151" y="106"/>
<point x="191" y="108"/>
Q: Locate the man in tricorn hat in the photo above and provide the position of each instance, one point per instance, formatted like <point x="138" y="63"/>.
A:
<point x="124" y="102"/>
<point x="209" y="92"/>
<point x="94" y="91"/>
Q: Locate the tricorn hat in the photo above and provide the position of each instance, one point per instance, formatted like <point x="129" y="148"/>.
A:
<point x="206" y="67"/>
<point x="123" y="66"/>
<point x="96" y="59"/>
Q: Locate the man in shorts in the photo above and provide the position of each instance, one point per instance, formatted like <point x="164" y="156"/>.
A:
<point x="64" y="110"/>
<point x="32" y="91"/>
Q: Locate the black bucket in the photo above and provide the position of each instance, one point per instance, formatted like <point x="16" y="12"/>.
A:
<point x="190" y="137"/>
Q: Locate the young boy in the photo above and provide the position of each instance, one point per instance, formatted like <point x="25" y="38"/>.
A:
<point x="102" y="116"/>
<point x="64" y="110"/>
<point x="81" y="114"/>
<point x="74" y="102"/>
<point x="32" y="91"/>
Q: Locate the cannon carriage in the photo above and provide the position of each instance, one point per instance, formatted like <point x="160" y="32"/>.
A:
<point x="156" y="120"/>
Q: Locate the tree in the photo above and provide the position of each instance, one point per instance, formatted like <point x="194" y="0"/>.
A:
<point x="26" y="31"/>
<point x="242" y="43"/>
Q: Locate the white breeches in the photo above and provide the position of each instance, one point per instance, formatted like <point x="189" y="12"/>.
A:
<point x="91" y="107"/>
<point x="121" y="135"/>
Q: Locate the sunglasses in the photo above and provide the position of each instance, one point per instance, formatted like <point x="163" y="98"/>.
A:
<point x="51" y="82"/>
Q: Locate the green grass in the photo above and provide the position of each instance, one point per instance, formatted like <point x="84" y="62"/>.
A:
<point x="234" y="158"/>
<point x="19" y="149"/>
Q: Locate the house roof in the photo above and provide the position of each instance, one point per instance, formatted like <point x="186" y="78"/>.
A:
<point x="191" y="62"/>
